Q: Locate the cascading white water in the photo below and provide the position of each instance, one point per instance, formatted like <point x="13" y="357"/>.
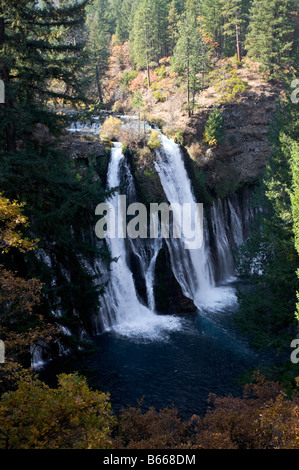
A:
<point x="192" y="268"/>
<point x="223" y="244"/>
<point x="195" y="270"/>
<point x="125" y="314"/>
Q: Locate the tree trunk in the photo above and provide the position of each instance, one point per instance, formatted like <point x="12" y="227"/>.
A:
<point x="188" y="76"/>
<point x="147" y="57"/>
<point x="238" y="38"/>
<point x="98" y="81"/>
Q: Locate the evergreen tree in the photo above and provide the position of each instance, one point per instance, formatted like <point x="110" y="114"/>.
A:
<point x="210" y="12"/>
<point x="173" y="21"/>
<point x="180" y="5"/>
<point x="98" y="42"/>
<point x="113" y="12"/>
<point x="145" y="36"/>
<point x="139" y="105"/>
<point x="269" y="39"/>
<point x="160" y="18"/>
<point x="233" y="22"/>
<point x="35" y="51"/>
<point x="191" y="56"/>
<point x="192" y="7"/>
<point x="37" y="61"/>
<point x="125" y="20"/>
<point x="214" y="133"/>
<point x="269" y="257"/>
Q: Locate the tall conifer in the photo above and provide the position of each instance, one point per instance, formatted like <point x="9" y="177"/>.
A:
<point x="269" y="39"/>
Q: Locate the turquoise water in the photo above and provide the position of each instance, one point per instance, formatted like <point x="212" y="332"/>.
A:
<point x="178" y="368"/>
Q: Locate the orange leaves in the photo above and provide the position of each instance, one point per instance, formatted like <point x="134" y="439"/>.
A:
<point x="206" y="35"/>
<point x="150" y="430"/>
<point x="138" y="82"/>
<point x="20" y="326"/>
<point x="17" y="294"/>
<point x="165" y="60"/>
<point x="263" y="419"/>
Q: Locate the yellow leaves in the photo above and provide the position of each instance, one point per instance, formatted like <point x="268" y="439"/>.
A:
<point x="11" y="221"/>
<point x="154" y="140"/>
<point x="111" y="128"/>
<point x="70" y="416"/>
<point x="20" y="327"/>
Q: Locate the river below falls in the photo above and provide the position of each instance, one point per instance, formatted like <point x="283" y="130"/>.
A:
<point x="179" y="368"/>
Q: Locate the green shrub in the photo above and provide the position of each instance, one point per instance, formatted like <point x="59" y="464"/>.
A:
<point x="161" y="72"/>
<point x="128" y="77"/>
<point x="214" y="132"/>
<point x="230" y="86"/>
<point x="159" y="96"/>
<point x="175" y="134"/>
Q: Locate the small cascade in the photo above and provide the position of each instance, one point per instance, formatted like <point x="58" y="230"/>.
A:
<point x="87" y="128"/>
<point x="37" y="360"/>
<point x="224" y="257"/>
<point x="150" y="274"/>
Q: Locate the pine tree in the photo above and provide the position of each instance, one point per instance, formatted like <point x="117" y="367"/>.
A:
<point x="113" y="12"/>
<point x="173" y="31"/>
<point x="269" y="40"/>
<point x="269" y="257"/>
<point x="192" y="7"/>
<point x="125" y="20"/>
<point x="98" y="42"/>
<point x="214" y="133"/>
<point x="210" y="12"/>
<point x="38" y="58"/>
<point x="145" y="34"/>
<point x="190" y="56"/>
<point x="160" y="18"/>
<point x="35" y="50"/>
<point x="233" y="22"/>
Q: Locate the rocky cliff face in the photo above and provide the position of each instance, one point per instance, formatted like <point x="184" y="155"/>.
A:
<point x="89" y="153"/>
<point x="246" y="147"/>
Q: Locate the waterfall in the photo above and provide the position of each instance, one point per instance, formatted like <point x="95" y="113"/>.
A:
<point x="192" y="268"/>
<point x="204" y="274"/>
<point x="125" y="314"/>
<point x="128" y="303"/>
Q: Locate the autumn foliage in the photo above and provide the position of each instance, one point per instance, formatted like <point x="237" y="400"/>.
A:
<point x="264" y="418"/>
<point x="22" y="326"/>
<point x="36" y="416"/>
<point x="12" y="221"/>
